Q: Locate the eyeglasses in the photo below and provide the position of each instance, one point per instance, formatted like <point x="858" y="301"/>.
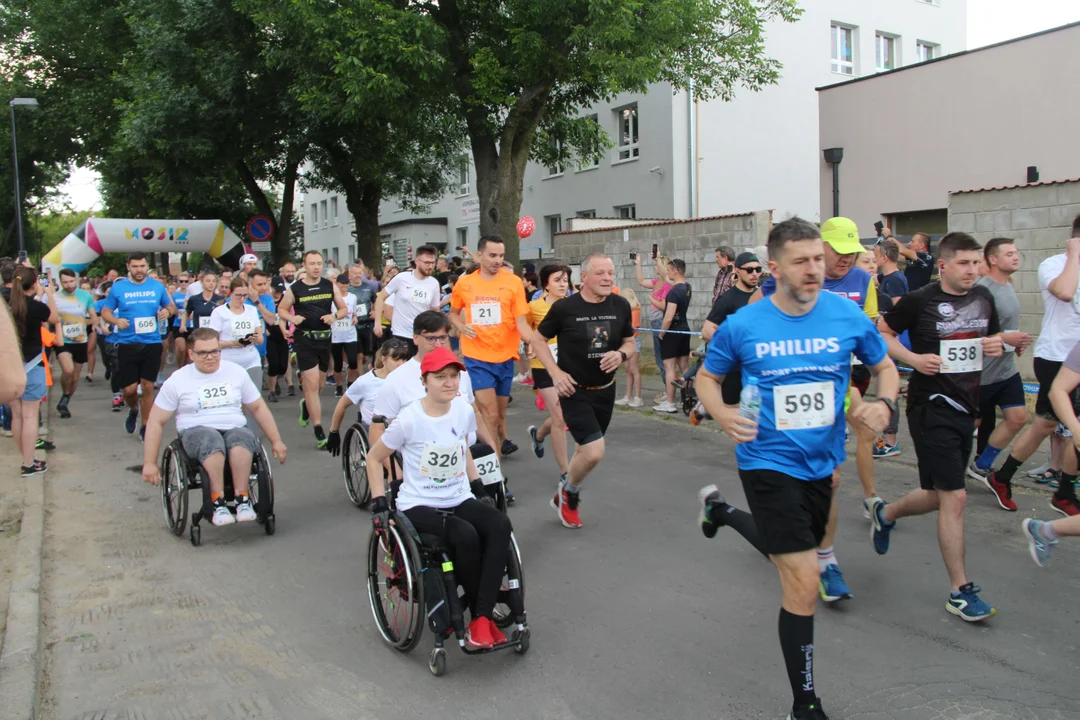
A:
<point x="752" y="269"/>
<point x="241" y="295"/>
<point x="436" y="339"/>
<point x="207" y="353"/>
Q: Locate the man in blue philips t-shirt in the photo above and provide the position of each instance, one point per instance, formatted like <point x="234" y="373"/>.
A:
<point x="137" y="306"/>
<point x="797" y="345"/>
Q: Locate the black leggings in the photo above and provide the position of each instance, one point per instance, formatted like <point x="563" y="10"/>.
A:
<point x="111" y="361"/>
<point x="479" y="536"/>
<point x="337" y="350"/>
<point x="277" y="355"/>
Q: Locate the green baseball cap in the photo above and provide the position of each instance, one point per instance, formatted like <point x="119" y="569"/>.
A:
<point x="842" y="234"/>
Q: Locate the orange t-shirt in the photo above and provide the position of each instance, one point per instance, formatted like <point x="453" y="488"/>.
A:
<point x="635" y="317"/>
<point x="492" y="307"/>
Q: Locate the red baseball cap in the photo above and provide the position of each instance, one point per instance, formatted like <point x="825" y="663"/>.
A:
<point x="438" y="359"/>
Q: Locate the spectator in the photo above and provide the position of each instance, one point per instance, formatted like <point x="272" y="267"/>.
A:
<point x="660" y="288"/>
<point x="633" y="371"/>
<point x="891" y="281"/>
<point x="12" y="373"/>
<point x="532" y="290"/>
<point x="29" y="315"/>
<point x="725" y="277"/>
<point x="920" y="263"/>
<point x="674" y="346"/>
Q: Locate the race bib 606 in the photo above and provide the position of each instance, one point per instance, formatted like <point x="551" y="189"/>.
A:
<point x="442" y="462"/>
<point x="145" y="325"/>
<point x="958" y="356"/>
<point x="804" y="406"/>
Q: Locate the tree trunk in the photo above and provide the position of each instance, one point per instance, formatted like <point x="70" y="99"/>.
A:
<point x="183" y="262"/>
<point x="283" y="230"/>
<point x="262" y="203"/>
<point x="362" y="200"/>
<point x="164" y="267"/>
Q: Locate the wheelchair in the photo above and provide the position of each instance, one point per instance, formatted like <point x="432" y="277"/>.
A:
<point x="688" y="393"/>
<point x="354" y="449"/>
<point x="411" y="579"/>
<point x="180" y="473"/>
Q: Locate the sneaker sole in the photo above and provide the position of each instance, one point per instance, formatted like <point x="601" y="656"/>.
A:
<point x="1000" y="502"/>
<point x="958" y="613"/>
<point x="874" y="529"/>
<point x="1029" y="536"/>
<point x="976" y="476"/>
<point x="556" y="508"/>
<point x="1055" y="508"/>
<point x="832" y="598"/>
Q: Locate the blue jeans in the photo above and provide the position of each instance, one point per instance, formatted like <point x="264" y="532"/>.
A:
<point x="655" y="325"/>
<point x="5" y="417"/>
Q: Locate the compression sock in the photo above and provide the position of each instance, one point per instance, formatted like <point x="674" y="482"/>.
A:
<point x="1067" y="488"/>
<point x="825" y="558"/>
<point x="215" y="496"/>
<point x="1008" y="469"/>
<point x="986" y="460"/>
<point x="741" y="521"/>
<point x="571" y="487"/>
<point x="797" y="643"/>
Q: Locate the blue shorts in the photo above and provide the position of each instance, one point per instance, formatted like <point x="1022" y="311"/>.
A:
<point x="36" y="389"/>
<point x="486" y="375"/>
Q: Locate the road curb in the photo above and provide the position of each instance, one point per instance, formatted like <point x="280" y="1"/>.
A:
<point x="20" y="661"/>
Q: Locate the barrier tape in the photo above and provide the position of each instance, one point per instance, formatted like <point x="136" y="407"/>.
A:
<point x="673" y="332"/>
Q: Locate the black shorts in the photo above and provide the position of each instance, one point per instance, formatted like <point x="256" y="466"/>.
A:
<point x="342" y="353"/>
<point x="674" y="345"/>
<point x="365" y="340"/>
<point x="277" y="355"/>
<point x="942" y="436"/>
<point x="137" y="361"/>
<point x="588" y="412"/>
<point x="76" y="350"/>
<point x="542" y="379"/>
<point x="790" y="514"/>
<point x="178" y="332"/>
<point x="1005" y="394"/>
<point x="1045" y="372"/>
<point x="311" y="353"/>
<point x="860" y="378"/>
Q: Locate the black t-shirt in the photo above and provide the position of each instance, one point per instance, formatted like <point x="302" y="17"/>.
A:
<point x="199" y="307"/>
<point x="894" y="284"/>
<point x="931" y="315"/>
<point x="679" y="296"/>
<point x="37" y="312"/>
<point x="919" y="270"/>
<point x="312" y="302"/>
<point x="727" y="304"/>
<point x="585" y="332"/>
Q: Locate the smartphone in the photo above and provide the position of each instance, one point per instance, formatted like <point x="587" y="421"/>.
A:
<point x="879" y="226"/>
<point x="633" y="256"/>
<point x="655" y="250"/>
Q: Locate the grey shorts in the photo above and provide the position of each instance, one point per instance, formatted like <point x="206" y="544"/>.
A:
<point x="202" y="442"/>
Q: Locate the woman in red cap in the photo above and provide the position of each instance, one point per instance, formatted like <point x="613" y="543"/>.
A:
<point x="439" y="477"/>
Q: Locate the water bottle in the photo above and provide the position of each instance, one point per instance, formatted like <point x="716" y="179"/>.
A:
<point x="750" y="399"/>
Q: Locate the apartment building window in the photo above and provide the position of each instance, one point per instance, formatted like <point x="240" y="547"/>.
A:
<point x="352" y="254"/>
<point x="314" y="216"/>
<point x="554" y="225"/>
<point x="462" y="237"/>
<point x="926" y="50"/>
<point x="628" y="132"/>
<point x="463" y="176"/>
<point x="333" y="210"/>
<point x="334" y="252"/>
<point x="585" y="164"/>
<point x="557" y="169"/>
<point x="626" y="212"/>
<point x="322" y="209"/>
<point x="400" y="205"/>
<point x="586" y="213"/>
<point x="843" y="49"/>
<point x="884" y="52"/>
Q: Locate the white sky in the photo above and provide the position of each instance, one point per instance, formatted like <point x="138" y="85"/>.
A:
<point x="989" y="21"/>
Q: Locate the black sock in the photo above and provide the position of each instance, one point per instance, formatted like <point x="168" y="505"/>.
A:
<point x="1067" y="489"/>
<point x="303" y="410"/>
<point x="797" y="643"/>
<point x="318" y="431"/>
<point x="1005" y="474"/>
<point x="741" y="521"/>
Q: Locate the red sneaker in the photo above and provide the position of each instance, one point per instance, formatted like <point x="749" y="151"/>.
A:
<point x="479" y="633"/>
<point x="567" y="506"/>
<point x="1065" y="506"/>
<point x="1001" y="491"/>
<point x="496" y="634"/>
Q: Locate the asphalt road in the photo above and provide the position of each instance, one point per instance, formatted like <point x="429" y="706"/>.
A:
<point x="634" y="616"/>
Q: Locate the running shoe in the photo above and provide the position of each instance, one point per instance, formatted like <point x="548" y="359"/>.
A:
<point x="117" y="404"/>
<point x="339" y="391"/>
<point x="538" y="445"/>
<point x="36" y="468"/>
<point x="697" y="414"/>
<point x="883" y="449"/>
<point x="305" y="419"/>
<point x="292" y="391"/>
<point x="666" y="407"/>
<point x="867" y="504"/>
<point x="479" y="633"/>
<point x="879" y="529"/>
<point x="623" y="401"/>
<point x="1002" y="492"/>
<point x="272" y="397"/>
<point x="709" y="497"/>
<point x="496" y="634"/>
<point x="1065" y="506"/>
<point x="1036" y="472"/>
<point x="62" y="407"/>
<point x="635" y="402"/>
<point x="42" y="444"/>
<point x="528" y="382"/>
<point x="4" y="432"/>
<point x="277" y="390"/>
<point x="508" y="447"/>
<point x="320" y="438"/>
<point x="160" y="381"/>
<point x="244" y="511"/>
<point x="566" y="504"/>
<point x="832" y="585"/>
<point x="966" y="604"/>
<point x="90" y="379"/>
<point x="221" y="515"/>
<point x="520" y="378"/>
<point x="977" y="473"/>
<point x="330" y="380"/>
<point x="129" y="424"/>
<point x="142" y="433"/>
<point x="1039" y="547"/>
<point x="808" y="712"/>
<point x="108" y="374"/>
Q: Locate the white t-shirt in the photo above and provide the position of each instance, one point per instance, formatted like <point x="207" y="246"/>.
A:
<point x="433" y="449"/>
<point x="213" y="400"/>
<point x="194" y="288"/>
<point x="231" y="326"/>
<point x="344" y="330"/>
<point x="403" y="387"/>
<point x="411" y="297"/>
<point x="362" y="392"/>
<point x="1061" y="322"/>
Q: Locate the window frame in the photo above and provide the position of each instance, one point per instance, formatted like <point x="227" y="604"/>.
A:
<point x="838" y="65"/>
<point x="314" y="216"/>
<point x="322" y="209"/>
<point x="631" y="208"/>
<point x="596" y="163"/>
<point x="553" y="224"/>
<point x="462" y="235"/>
<point x="931" y="50"/>
<point x="334" y="210"/>
<point x="631" y="149"/>
<point x="893" y="46"/>
<point x="464" y="177"/>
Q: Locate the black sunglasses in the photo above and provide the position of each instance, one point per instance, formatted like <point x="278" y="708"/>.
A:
<point x="752" y="269"/>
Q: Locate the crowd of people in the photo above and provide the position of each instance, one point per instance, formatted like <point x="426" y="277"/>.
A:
<point x="797" y="332"/>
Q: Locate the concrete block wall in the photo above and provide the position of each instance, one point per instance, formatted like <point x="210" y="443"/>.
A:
<point x="1039" y="217"/>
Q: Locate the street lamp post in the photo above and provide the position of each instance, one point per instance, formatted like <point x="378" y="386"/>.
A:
<point x="28" y="103"/>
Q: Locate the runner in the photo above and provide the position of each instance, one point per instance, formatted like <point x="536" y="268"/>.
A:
<point x="491" y="332"/>
<point x="277" y="347"/>
<point x="344" y="345"/>
<point x="952" y="324"/>
<point x="1000" y="384"/>
<point x="199" y="307"/>
<point x="318" y="304"/>
<point x="248" y="262"/>
<point x="260" y="298"/>
<point x="136" y="305"/>
<point x="107" y="347"/>
<point x="555" y="281"/>
<point x="239" y="328"/>
<point x="595" y="336"/>
<point x="795" y="346"/>
<point x="361" y="289"/>
<point x="364" y="391"/>
<point x="179" y="332"/>
<point x="413" y="292"/>
<point x="1058" y="280"/>
<point x="74" y="305"/>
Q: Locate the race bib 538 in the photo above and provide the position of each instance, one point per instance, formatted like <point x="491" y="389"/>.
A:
<point x="958" y="356"/>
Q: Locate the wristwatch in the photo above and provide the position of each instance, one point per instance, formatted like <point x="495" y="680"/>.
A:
<point x="891" y="404"/>
<point x="624" y="358"/>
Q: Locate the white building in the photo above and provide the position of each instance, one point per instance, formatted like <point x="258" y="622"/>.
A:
<point x="677" y="159"/>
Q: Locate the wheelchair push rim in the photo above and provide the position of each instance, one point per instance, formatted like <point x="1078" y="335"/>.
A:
<point x="174" y="492"/>
<point x="503" y="615"/>
<point x="394" y="588"/>
<point x="354" y="466"/>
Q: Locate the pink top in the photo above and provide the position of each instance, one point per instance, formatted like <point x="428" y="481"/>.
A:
<point x="661" y="292"/>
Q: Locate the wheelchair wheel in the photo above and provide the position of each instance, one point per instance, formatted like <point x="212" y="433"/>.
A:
<point x="354" y="465"/>
<point x="437" y="662"/>
<point x="503" y="615"/>
<point x="689" y="399"/>
<point x="261" y="491"/>
<point x="394" y="587"/>
<point x="174" y="491"/>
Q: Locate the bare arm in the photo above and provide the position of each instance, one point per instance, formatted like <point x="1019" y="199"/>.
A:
<point x="1065" y="382"/>
<point x="738" y="428"/>
<point x="1063" y="287"/>
<point x="523" y="327"/>
<point x="285" y="314"/>
<point x="377" y="313"/>
<point x="339" y="412"/>
<point x="50" y="296"/>
<point x="708" y="330"/>
<point x="669" y="315"/>
<point x="12" y="375"/>
<point x="377" y="457"/>
<point x="261" y="412"/>
<point x="155" y="425"/>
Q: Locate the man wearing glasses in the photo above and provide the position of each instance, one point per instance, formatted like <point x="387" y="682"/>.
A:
<point x="413" y="293"/>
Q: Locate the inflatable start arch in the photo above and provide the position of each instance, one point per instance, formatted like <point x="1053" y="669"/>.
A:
<point x="87" y="242"/>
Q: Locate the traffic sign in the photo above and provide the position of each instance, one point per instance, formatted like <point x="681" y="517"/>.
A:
<point x="260" y="227"/>
<point x="260" y="246"/>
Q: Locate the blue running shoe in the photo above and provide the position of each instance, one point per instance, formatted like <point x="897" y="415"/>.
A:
<point x="1038" y="546"/>
<point x="832" y="585"/>
<point x="538" y="445"/>
<point x="129" y="424"/>
<point x="879" y="529"/>
<point x="966" y="604"/>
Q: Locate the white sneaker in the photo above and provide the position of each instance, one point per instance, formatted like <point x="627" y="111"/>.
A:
<point x="1038" y="472"/>
<point x="666" y="407"/>
<point x="170" y="359"/>
<point x="222" y="516"/>
<point x="244" y="512"/>
<point x="5" y="433"/>
<point x="635" y="402"/>
<point x="520" y="378"/>
<point x="623" y="401"/>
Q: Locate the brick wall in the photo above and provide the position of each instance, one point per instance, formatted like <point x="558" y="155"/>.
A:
<point x="1039" y="217"/>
